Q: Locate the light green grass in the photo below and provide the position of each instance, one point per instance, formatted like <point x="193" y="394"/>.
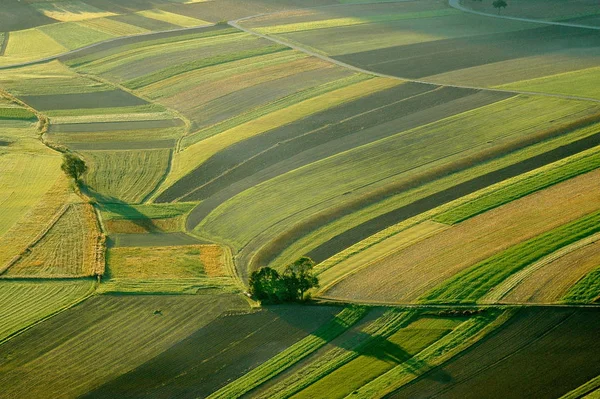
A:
<point x="267" y="370"/>
<point x="461" y="337"/>
<point x="531" y="184"/>
<point x="112" y="27"/>
<point x="23" y="303"/>
<point x="127" y="176"/>
<point x="178" y="286"/>
<point x="116" y="111"/>
<point x="202" y="63"/>
<point x="473" y="283"/>
<point x="73" y="10"/>
<point x="73" y="35"/>
<point x="578" y="83"/>
<point x="350" y="21"/>
<point x="585" y="290"/>
<point x="341" y="354"/>
<point x="589" y="390"/>
<point x="175" y="19"/>
<point x="377" y="357"/>
<point x="28" y="45"/>
<point x="369" y="167"/>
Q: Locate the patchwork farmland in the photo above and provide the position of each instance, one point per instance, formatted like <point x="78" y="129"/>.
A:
<point x="165" y="163"/>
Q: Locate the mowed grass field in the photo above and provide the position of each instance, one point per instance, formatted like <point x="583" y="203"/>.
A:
<point x="408" y="273"/>
<point x="102" y="338"/>
<point x="429" y="40"/>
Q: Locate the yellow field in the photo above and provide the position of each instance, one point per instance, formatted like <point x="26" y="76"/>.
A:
<point x="30" y="44"/>
<point x="378" y="252"/>
<point x="70" y="11"/>
<point x="408" y="273"/>
<point x="166" y="262"/>
<point x="172" y="18"/>
<point x="114" y="27"/>
<point x="549" y="283"/>
<point x="187" y="160"/>
<point x="71" y="247"/>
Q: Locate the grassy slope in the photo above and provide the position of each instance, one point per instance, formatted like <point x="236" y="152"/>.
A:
<point x="126" y="176"/>
<point x="102" y="338"/>
<point x="23" y="303"/>
<point x="372" y="164"/>
<point x="586" y="290"/>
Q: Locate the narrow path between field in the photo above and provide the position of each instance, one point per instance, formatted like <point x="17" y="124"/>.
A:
<point x="236" y="24"/>
<point x="456" y="4"/>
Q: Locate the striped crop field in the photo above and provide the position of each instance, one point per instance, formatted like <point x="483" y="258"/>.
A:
<point x="119" y="332"/>
<point x="24" y="303"/>
<point x="168" y="166"/>
<point x="127" y="176"/>
<point x="72" y="247"/>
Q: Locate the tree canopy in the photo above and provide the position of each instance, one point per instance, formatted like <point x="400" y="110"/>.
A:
<point x="499" y="4"/>
<point x="73" y="166"/>
<point x="267" y="285"/>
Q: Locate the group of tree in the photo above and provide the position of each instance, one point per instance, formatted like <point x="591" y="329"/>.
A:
<point x="269" y="286"/>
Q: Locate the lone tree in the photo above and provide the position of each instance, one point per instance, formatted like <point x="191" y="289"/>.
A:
<point x="73" y="166"/>
<point x="268" y="286"/>
<point x="499" y="4"/>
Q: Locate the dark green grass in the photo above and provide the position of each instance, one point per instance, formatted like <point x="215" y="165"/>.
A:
<point x="16" y="113"/>
<point x="473" y="283"/>
<point x="586" y="290"/>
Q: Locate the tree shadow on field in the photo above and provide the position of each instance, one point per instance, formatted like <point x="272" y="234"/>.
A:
<point x="125" y="211"/>
<point x="355" y="340"/>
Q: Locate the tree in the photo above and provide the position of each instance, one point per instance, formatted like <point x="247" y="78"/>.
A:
<point x="266" y="285"/>
<point x="73" y="166"/>
<point x="299" y="278"/>
<point x="499" y="4"/>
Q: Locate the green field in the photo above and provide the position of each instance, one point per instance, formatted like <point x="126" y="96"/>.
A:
<point x="440" y="166"/>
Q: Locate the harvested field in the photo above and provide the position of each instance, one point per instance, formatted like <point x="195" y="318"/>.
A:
<point x="16" y="15"/>
<point x="138" y="226"/>
<point x="433" y="58"/>
<point x="379" y="356"/>
<point x="111" y="126"/>
<point x="70" y="10"/>
<point x="220" y="352"/>
<point x="113" y="98"/>
<point x="72" y="35"/>
<point x="28" y="45"/>
<point x="152" y="240"/>
<point x="407" y="274"/>
<point x="370" y="167"/>
<point x="111" y="27"/>
<point x="121" y="141"/>
<point x="172" y="18"/>
<point x="141" y="21"/>
<point x="71" y="247"/>
<point x="372" y="226"/>
<point x="122" y="145"/>
<point x="186" y="161"/>
<point x="127" y="176"/>
<point x="102" y="338"/>
<point x="552" y="281"/>
<point x="166" y="262"/>
<point x="23" y="303"/>
<point x="541" y="353"/>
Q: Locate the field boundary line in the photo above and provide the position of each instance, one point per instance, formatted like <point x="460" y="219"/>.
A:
<point x="72" y="52"/>
<point x="504" y="288"/>
<point x="37" y="238"/>
<point x="457" y="5"/>
<point x="89" y="294"/>
<point x="236" y="24"/>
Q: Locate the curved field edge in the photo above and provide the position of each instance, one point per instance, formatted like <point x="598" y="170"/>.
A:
<point x="472" y="284"/>
<point x="586" y="290"/>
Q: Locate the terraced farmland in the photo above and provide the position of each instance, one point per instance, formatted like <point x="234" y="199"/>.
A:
<point x="439" y="161"/>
